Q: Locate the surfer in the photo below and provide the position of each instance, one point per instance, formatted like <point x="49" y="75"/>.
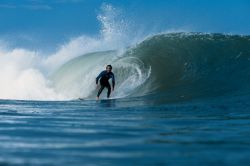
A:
<point x="104" y="77"/>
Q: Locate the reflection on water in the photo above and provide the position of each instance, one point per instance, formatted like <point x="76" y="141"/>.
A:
<point x="106" y="103"/>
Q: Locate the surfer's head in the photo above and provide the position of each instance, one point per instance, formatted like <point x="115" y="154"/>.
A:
<point x="108" y="68"/>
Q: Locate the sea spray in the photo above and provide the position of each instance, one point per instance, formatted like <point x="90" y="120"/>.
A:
<point x="26" y="74"/>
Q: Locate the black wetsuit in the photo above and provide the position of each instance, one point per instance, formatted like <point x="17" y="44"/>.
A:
<point x="104" y="81"/>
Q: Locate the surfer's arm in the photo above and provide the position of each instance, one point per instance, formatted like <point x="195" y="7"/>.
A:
<point x="113" y="81"/>
<point x="98" y="77"/>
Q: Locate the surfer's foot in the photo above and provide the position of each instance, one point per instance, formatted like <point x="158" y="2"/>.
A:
<point x="97" y="98"/>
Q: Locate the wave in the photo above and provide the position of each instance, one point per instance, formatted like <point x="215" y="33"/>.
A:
<point x="174" y="65"/>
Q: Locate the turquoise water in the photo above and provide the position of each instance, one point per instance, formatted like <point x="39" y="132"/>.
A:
<point x="123" y="132"/>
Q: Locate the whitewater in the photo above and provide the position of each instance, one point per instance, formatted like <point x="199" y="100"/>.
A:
<point x="181" y="98"/>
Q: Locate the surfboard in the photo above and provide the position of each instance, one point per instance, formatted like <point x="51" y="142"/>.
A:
<point x="104" y="99"/>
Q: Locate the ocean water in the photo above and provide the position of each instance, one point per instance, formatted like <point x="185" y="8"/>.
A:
<point x="180" y="99"/>
<point x="125" y="132"/>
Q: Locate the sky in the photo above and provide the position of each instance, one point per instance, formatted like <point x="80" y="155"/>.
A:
<point x="45" y="24"/>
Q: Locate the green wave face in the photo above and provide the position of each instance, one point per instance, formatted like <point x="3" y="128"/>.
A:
<point x="177" y="66"/>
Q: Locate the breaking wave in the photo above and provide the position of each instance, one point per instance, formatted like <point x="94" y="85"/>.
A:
<point x="175" y="65"/>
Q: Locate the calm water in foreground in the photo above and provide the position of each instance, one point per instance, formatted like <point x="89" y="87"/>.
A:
<point x="125" y="132"/>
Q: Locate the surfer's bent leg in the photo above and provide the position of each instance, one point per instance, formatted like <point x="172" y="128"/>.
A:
<point x="100" y="90"/>
<point x="109" y="90"/>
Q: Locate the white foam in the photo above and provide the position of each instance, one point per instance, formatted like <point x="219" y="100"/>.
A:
<point x="21" y="76"/>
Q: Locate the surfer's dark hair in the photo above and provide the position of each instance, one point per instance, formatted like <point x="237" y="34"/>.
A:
<point x="109" y="66"/>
